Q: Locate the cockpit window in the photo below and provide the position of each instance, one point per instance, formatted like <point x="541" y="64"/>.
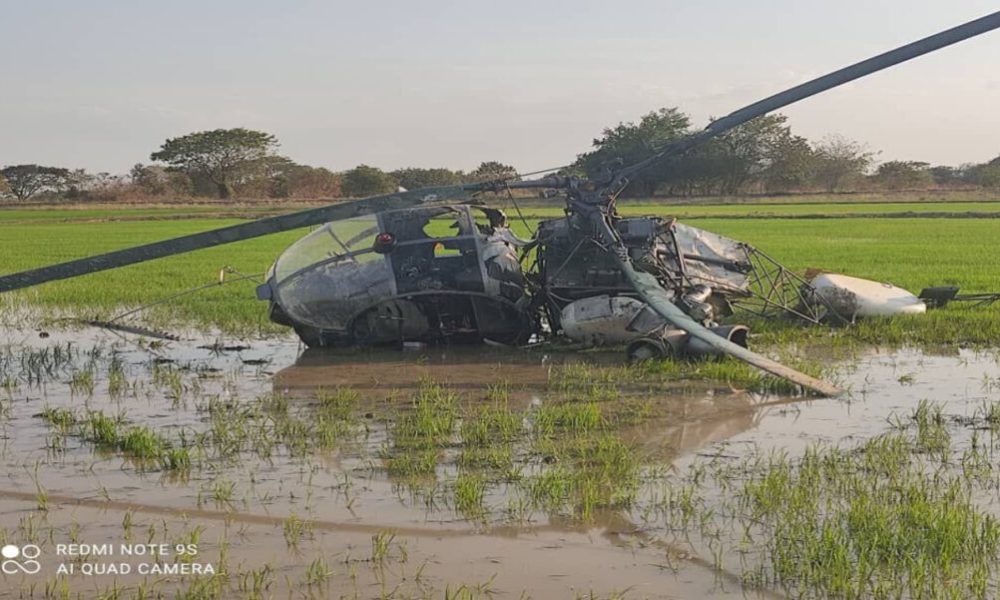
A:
<point x="336" y="240"/>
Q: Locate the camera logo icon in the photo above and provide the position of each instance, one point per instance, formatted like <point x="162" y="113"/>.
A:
<point x="20" y="559"/>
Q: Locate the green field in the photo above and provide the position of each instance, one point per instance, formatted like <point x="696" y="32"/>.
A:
<point x="810" y="210"/>
<point x="958" y="203"/>
<point x="107" y="213"/>
<point x="910" y="252"/>
<point x="229" y="307"/>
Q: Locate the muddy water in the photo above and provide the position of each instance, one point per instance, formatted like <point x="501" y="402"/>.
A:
<point x="309" y="525"/>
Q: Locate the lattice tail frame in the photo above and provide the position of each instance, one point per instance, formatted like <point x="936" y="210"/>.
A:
<point x="776" y="291"/>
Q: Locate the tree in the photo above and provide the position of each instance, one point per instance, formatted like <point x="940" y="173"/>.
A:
<point x="155" y="180"/>
<point x="747" y="152"/>
<point x="364" y="181"/>
<point x="4" y="188"/>
<point x="839" y="159"/>
<point x="223" y="156"/>
<point x="986" y="174"/>
<point x="945" y="175"/>
<point x="281" y="177"/>
<point x="413" y="178"/>
<point x="792" y="165"/>
<point x="629" y="143"/>
<point x="24" y="181"/>
<point x="900" y="174"/>
<point x="101" y="187"/>
<point x="493" y="171"/>
<point x="313" y="182"/>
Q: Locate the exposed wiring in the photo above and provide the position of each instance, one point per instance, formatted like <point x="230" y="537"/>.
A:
<point x="517" y="207"/>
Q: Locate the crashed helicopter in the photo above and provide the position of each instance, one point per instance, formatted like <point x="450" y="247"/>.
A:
<point x="431" y="264"/>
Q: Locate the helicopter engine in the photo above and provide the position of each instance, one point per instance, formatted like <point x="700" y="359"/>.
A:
<point x="588" y="299"/>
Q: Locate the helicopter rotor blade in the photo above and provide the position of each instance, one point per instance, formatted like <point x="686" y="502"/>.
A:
<point x="653" y="294"/>
<point x="233" y="233"/>
<point x="813" y="87"/>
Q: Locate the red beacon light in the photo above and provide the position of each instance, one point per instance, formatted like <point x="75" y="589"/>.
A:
<point x="384" y="243"/>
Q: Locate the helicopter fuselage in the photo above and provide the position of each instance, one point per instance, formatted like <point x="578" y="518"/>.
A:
<point x="415" y="275"/>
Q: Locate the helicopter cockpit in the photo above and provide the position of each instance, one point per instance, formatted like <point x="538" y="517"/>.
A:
<point x="401" y="274"/>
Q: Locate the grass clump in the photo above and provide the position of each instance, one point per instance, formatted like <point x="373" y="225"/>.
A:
<point x="591" y="467"/>
<point x="102" y="430"/>
<point x="141" y="444"/>
<point x="295" y="529"/>
<point x="491" y="425"/>
<point x="489" y="435"/>
<point x="470" y="491"/>
<point x="82" y="382"/>
<point x="422" y="430"/>
<point x="589" y="473"/>
<point x="877" y="521"/>
<point x="570" y="417"/>
<point x="62" y="419"/>
<point x="932" y="435"/>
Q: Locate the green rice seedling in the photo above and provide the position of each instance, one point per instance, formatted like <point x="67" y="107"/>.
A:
<point x="318" y="572"/>
<point x="613" y="595"/>
<point x="497" y="458"/>
<point x="117" y="379"/>
<point x="470" y="490"/>
<point x="491" y="425"/>
<point x="295" y="433"/>
<point x="222" y="492"/>
<point x="176" y="459"/>
<point x="498" y="393"/>
<point x="101" y="429"/>
<point x="327" y="432"/>
<point x="82" y="382"/>
<point x="230" y="429"/>
<point x="381" y="545"/>
<point x="142" y="443"/>
<point x="977" y="465"/>
<point x="211" y="587"/>
<point x="57" y="589"/>
<point x="432" y="418"/>
<point x="873" y="521"/>
<point x="168" y="377"/>
<point x="338" y="404"/>
<point x="550" y="490"/>
<point x="113" y="592"/>
<point x="190" y="537"/>
<point x="275" y="405"/>
<point x="420" y="431"/>
<point x="127" y="523"/>
<point x="139" y="443"/>
<point x="932" y="433"/>
<point x="989" y="412"/>
<point x="413" y="463"/>
<point x="568" y="417"/>
<point x="254" y="584"/>
<point x="295" y="530"/>
<point x="591" y="382"/>
<point x="8" y="383"/>
<point x="63" y="419"/>
<point x="471" y="592"/>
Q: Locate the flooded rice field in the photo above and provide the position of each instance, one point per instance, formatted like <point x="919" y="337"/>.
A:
<point x="214" y="468"/>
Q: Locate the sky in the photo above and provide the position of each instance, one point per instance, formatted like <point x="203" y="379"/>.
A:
<point x="101" y="84"/>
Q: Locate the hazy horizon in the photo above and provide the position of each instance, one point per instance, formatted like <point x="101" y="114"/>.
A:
<point x="448" y="84"/>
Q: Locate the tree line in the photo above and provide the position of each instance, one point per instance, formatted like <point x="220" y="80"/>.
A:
<point x="761" y="156"/>
<point x="764" y="156"/>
